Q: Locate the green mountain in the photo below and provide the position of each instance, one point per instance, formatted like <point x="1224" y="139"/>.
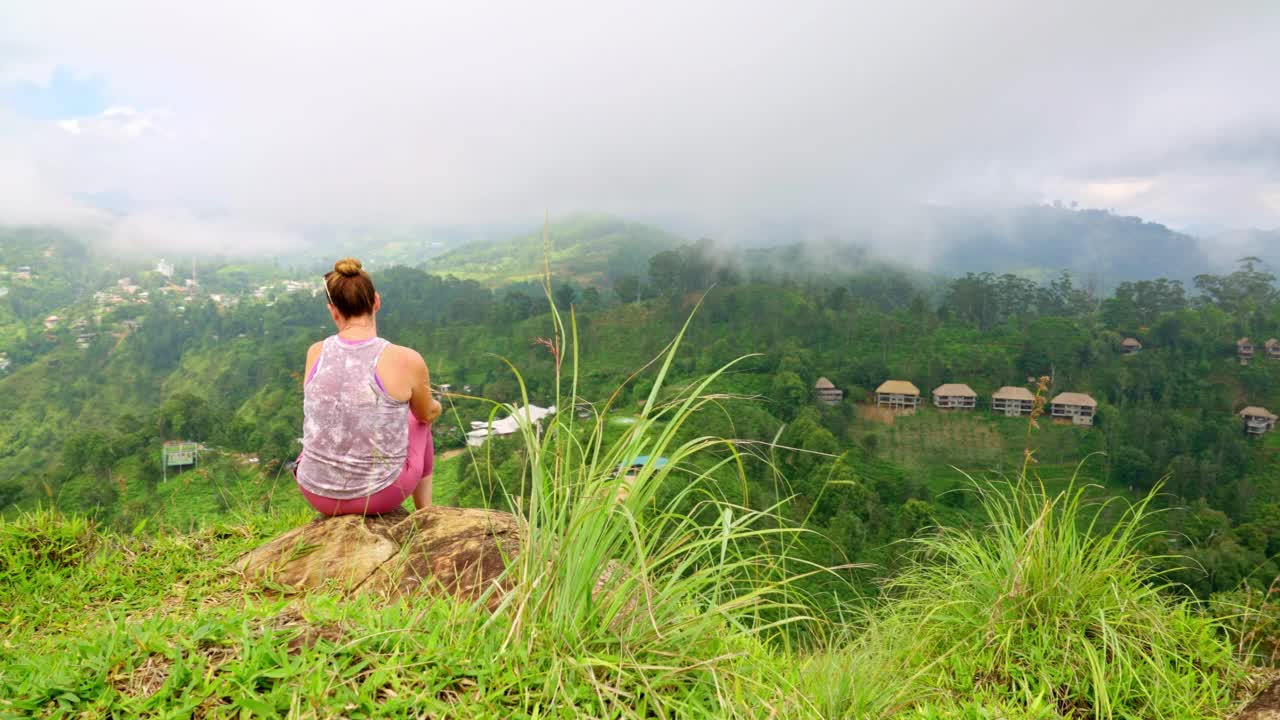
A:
<point x="587" y="250"/>
<point x="1041" y="240"/>
<point x="1092" y="606"/>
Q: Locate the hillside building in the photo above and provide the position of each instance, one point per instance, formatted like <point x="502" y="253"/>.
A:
<point x="827" y="393"/>
<point x="955" y="396"/>
<point x="51" y="322"/>
<point x="1130" y="346"/>
<point x="1272" y="347"/>
<point x="1076" y="407"/>
<point x="482" y="430"/>
<point x="1012" y="401"/>
<point x="1244" y="350"/>
<point x="898" y="395"/>
<point x="1258" y="420"/>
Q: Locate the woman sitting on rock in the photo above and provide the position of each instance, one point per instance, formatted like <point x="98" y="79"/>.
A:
<point x="367" y="409"/>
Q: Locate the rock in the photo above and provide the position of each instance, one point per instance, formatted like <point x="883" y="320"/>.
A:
<point x="438" y="550"/>
<point x="1264" y="707"/>
<point x="460" y="552"/>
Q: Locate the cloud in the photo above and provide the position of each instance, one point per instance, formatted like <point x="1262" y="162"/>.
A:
<point x="39" y="74"/>
<point x="712" y="114"/>
<point x="121" y="123"/>
<point x="157" y="231"/>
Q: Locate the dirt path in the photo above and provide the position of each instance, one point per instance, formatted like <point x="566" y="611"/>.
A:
<point x="1264" y="707"/>
<point x="450" y="454"/>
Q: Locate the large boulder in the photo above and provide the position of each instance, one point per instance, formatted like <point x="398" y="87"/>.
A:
<point x="437" y="550"/>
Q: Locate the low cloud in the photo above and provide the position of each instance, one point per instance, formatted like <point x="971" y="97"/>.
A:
<point x="711" y="115"/>
<point x="122" y="124"/>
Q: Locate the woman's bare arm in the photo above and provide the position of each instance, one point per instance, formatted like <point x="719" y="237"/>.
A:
<point x="313" y="355"/>
<point x="423" y="405"/>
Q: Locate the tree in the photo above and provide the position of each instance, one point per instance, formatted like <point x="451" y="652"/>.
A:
<point x="789" y="392"/>
<point x="665" y="271"/>
<point x="1132" y="467"/>
<point x="564" y="297"/>
<point x="627" y="287"/>
<point x="516" y="306"/>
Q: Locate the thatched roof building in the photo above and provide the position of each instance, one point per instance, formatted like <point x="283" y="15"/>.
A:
<point x="1013" y="400"/>
<point x="954" y="396"/>
<point x="897" y="395"/>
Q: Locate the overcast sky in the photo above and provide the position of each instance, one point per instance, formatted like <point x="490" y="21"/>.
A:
<point x="253" y="119"/>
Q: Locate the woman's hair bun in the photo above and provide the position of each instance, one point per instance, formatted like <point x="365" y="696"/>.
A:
<point x="347" y="267"/>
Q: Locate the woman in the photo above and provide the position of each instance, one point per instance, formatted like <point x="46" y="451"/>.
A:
<point x="367" y="409"/>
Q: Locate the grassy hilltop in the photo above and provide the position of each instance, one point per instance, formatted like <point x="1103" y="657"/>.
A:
<point x="825" y="562"/>
<point x="588" y="250"/>
<point x="675" y="601"/>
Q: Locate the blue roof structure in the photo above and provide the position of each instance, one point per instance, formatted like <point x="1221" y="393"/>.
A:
<point x="644" y="460"/>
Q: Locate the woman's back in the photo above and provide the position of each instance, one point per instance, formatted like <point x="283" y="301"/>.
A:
<point x="355" y="434"/>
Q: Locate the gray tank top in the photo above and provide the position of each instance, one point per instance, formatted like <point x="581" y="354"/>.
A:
<point x="355" y="436"/>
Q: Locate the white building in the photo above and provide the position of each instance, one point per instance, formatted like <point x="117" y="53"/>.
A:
<point x="898" y="395"/>
<point x="165" y="268"/>
<point x="955" y="396"/>
<point x="1013" y="401"/>
<point x="1258" y="420"/>
<point x="1079" y="408"/>
<point x="481" y="430"/>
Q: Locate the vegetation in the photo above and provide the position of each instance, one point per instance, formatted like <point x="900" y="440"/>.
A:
<point x="626" y="601"/>
<point x="782" y="544"/>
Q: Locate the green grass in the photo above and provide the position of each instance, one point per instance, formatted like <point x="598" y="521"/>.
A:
<point x="1038" y="613"/>
<point x="649" y="597"/>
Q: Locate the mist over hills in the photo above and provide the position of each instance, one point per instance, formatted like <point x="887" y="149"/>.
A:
<point x="1032" y="241"/>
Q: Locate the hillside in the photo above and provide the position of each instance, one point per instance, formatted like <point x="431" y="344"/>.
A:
<point x="588" y="250"/>
<point x="1041" y="240"/>
<point x="859" y="486"/>
<point x="660" y="610"/>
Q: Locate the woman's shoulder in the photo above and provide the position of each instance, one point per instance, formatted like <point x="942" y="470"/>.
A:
<point x="404" y="355"/>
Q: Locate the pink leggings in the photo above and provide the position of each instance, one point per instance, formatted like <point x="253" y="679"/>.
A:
<point x="417" y="465"/>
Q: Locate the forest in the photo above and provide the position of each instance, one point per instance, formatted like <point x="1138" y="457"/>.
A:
<point x="108" y="359"/>
<point x="85" y="423"/>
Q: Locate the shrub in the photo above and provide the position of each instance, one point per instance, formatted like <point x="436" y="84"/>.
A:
<point x="1039" y="609"/>
<point x="44" y="539"/>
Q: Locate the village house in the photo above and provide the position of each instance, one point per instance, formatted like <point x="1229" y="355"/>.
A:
<point x="51" y="322"/>
<point x="827" y="392"/>
<point x="955" y="396"/>
<point x="897" y="395"/>
<point x="1130" y="346"/>
<point x="1258" y="420"/>
<point x="1013" y="401"/>
<point x="482" y="430"/>
<point x="1244" y="350"/>
<point x="1076" y="407"/>
<point x="1272" y="346"/>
